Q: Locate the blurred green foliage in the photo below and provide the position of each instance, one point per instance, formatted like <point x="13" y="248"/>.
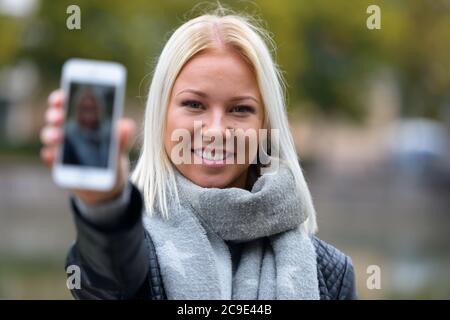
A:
<point x="324" y="47"/>
<point x="32" y="277"/>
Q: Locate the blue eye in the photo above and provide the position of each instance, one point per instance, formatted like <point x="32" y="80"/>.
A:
<point x="242" y="109"/>
<point x="192" y="104"/>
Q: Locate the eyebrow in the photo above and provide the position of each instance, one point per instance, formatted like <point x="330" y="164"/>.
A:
<point x="204" y="95"/>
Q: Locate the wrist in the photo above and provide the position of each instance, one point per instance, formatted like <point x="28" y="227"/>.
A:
<point x="93" y="198"/>
<point x="107" y="211"/>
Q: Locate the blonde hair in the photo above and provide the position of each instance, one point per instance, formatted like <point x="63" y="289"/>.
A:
<point x="154" y="172"/>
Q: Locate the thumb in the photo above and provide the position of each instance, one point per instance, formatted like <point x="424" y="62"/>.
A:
<point x="126" y="130"/>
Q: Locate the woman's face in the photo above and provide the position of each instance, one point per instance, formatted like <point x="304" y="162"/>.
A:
<point x="88" y="111"/>
<point x="218" y="89"/>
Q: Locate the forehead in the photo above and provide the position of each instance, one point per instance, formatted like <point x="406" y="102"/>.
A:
<point x="217" y="66"/>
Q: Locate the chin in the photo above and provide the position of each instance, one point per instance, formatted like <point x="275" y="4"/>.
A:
<point x="210" y="179"/>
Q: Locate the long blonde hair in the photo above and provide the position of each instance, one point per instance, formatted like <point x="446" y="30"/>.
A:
<point x="154" y="172"/>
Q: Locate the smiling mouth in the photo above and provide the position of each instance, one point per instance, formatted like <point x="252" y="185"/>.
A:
<point x="213" y="155"/>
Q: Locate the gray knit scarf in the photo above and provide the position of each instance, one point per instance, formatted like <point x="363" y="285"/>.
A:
<point x="277" y="258"/>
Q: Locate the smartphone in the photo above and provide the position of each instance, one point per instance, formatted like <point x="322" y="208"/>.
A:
<point x="94" y="96"/>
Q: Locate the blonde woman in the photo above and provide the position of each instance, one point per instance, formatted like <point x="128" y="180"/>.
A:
<point x="203" y="225"/>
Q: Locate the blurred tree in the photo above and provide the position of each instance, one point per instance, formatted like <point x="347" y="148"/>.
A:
<point x="324" y="47"/>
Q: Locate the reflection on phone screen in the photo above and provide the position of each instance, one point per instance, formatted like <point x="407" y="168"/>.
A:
<point x="87" y="133"/>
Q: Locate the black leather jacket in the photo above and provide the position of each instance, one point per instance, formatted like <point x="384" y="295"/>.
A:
<point x="114" y="260"/>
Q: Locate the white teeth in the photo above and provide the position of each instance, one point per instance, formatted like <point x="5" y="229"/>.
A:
<point x="208" y="155"/>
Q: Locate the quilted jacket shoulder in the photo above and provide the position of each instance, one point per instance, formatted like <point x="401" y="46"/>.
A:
<point x="335" y="272"/>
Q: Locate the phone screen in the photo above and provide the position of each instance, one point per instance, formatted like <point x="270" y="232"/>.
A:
<point x="88" y="126"/>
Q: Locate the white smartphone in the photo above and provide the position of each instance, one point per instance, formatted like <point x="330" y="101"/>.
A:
<point x="94" y="95"/>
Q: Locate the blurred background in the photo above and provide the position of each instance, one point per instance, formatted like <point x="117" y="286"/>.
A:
<point x="369" y="110"/>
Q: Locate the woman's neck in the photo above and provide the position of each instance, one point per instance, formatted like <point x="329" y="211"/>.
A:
<point x="246" y="179"/>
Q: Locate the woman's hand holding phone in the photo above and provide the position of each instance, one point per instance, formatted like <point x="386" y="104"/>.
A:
<point x="52" y="137"/>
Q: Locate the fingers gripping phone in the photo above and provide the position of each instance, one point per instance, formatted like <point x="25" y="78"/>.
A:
<point x="94" y="95"/>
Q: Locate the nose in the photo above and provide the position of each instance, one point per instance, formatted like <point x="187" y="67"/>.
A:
<point x="217" y="126"/>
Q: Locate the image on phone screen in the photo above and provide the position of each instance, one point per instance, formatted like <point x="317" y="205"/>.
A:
<point x="87" y="133"/>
